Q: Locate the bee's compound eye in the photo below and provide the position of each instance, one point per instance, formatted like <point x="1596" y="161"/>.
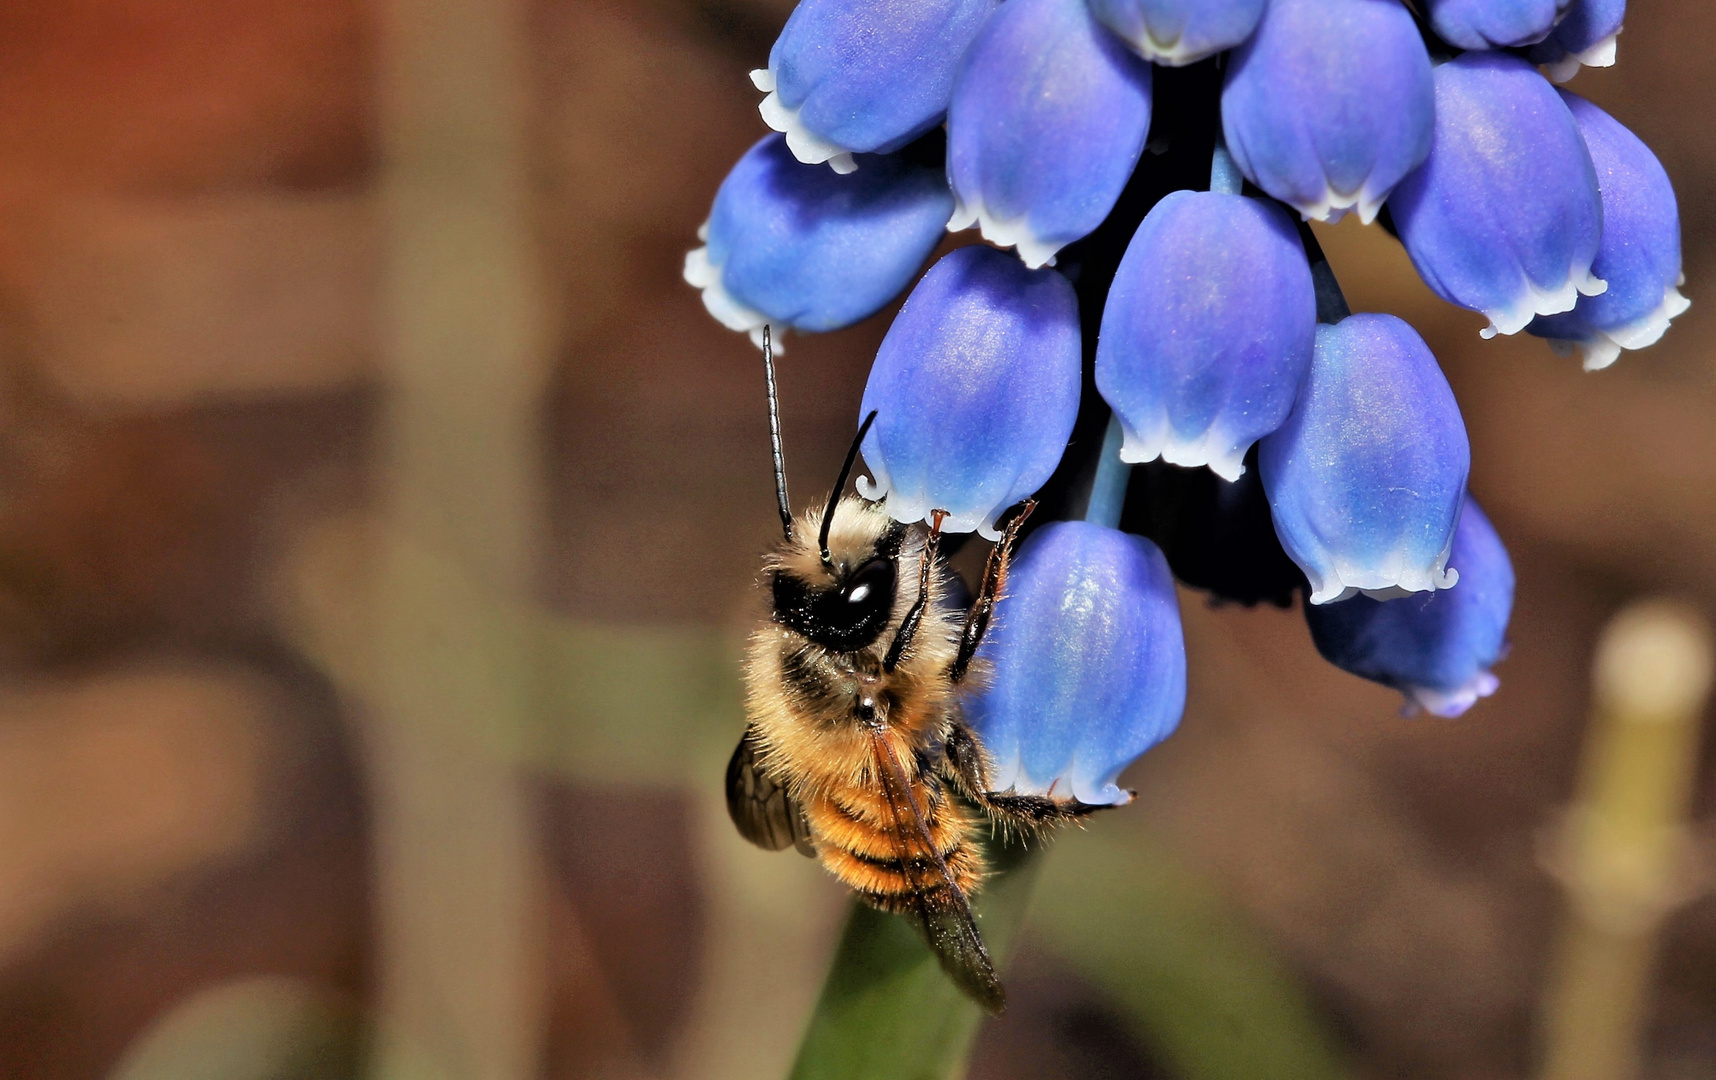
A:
<point x="846" y="617"/>
<point x="872" y="585"/>
<point x="852" y="616"/>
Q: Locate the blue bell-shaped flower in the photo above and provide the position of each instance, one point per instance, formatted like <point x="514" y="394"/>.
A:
<point x="1436" y="648"/>
<point x="801" y="246"/>
<point x="1640" y="252"/>
<point x="1504" y="218"/>
<point x="1366" y="477"/>
<point x="864" y="76"/>
<point x="1329" y="104"/>
<point x="1088" y="662"/>
<point x="1585" y="37"/>
<point x="1208" y="330"/>
<point x="1174" y="33"/>
<point x="1048" y="118"/>
<point x="1494" y="24"/>
<point x="975" y="391"/>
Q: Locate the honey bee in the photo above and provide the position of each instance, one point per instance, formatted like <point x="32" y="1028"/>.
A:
<point x="855" y="746"/>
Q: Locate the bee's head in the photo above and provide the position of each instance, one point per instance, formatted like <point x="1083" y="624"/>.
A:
<point x="845" y="602"/>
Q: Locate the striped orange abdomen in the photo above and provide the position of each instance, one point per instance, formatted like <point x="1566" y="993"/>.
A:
<point x="857" y="841"/>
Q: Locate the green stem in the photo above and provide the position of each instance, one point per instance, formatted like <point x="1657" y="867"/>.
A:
<point x="887" y="1012"/>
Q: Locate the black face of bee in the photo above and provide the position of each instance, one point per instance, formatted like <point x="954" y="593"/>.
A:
<point x="846" y="617"/>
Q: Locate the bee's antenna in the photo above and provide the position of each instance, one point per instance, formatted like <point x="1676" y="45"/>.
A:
<point x="840" y="485"/>
<point x="775" y="434"/>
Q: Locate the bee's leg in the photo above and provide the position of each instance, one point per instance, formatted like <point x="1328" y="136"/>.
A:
<point x="967" y="763"/>
<point x="968" y="768"/>
<point x="994" y="584"/>
<point x="915" y="615"/>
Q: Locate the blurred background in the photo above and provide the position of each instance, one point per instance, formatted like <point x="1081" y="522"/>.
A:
<point x="379" y="522"/>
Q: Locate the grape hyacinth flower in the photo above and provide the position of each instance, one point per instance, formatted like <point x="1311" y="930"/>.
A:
<point x="1511" y="200"/>
<point x="1329" y="105"/>
<point x="1585" y="37"/>
<point x="975" y="390"/>
<point x="1174" y="33"/>
<point x="1208" y="326"/>
<point x="1494" y="24"/>
<point x="1504" y="217"/>
<point x="1366" y="477"/>
<point x="1089" y="664"/>
<point x="1208" y="330"/>
<point x="864" y="76"/>
<point x="800" y="246"/>
<point x="1435" y="648"/>
<point x="1639" y="255"/>
<point x="1047" y="121"/>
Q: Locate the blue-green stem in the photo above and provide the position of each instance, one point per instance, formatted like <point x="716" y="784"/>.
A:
<point x="1108" y="486"/>
<point x="1224" y="174"/>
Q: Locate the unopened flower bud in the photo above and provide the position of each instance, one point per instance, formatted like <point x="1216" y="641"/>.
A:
<point x="1088" y="663"/>
<point x="800" y="246"/>
<point x="864" y="76"/>
<point x="1494" y="24"/>
<point x="1208" y="330"/>
<point x="1174" y="33"/>
<point x="975" y="391"/>
<point x="1048" y="119"/>
<point x="1436" y="648"/>
<point x="1640" y="252"/>
<point x="1366" y="477"/>
<point x="1585" y="37"/>
<point x="1329" y="104"/>
<point x="1504" y="217"/>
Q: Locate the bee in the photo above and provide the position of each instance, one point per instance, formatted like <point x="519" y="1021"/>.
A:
<point x="855" y="747"/>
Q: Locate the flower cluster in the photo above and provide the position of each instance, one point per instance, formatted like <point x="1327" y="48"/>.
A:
<point x="1153" y="164"/>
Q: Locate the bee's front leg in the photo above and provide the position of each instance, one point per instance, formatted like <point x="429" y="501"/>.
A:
<point x="908" y="630"/>
<point x="967" y="766"/>
<point x="988" y="595"/>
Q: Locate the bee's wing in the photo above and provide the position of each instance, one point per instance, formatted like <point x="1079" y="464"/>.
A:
<point x="761" y="809"/>
<point x="939" y="906"/>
